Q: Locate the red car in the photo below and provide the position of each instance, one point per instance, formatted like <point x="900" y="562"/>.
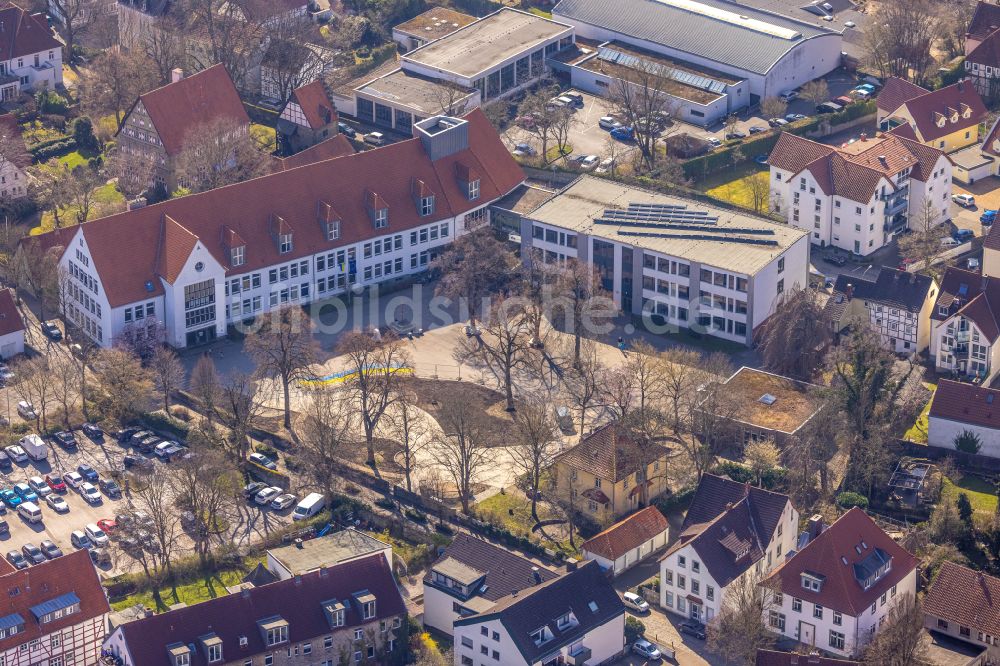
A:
<point x="55" y="482"/>
<point x="107" y="525"/>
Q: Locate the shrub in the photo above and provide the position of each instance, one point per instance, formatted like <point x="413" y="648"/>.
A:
<point x="968" y="442"/>
<point x="49" y="149"/>
<point x="415" y="516"/>
<point x="266" y="450"/>
<point x="20" y="428"/>
<point x="669" y="503"/>
<point x="83" y="132"/>
<point x="850" y="499"/>
<point x="634" y="628"/>
<point x="166" y="423"/>
<point x="51" y="102"/>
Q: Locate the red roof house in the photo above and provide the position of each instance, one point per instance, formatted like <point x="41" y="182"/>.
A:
<point x="629" y="541"/>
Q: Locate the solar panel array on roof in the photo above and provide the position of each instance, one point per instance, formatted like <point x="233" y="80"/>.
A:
<point x="679" y="75"/>
<point x="672" y="220"/>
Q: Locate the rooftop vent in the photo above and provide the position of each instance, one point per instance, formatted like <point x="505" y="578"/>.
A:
<point x="592" y="606"/>
<point x="149" y="286"/>
<point x="442" y="136"/>
<point x="767" y="399"/>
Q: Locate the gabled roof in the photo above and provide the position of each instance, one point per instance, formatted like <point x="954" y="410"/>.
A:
<point x="794" y="153"/>
<point x="991" y="142"/>
<point x="328" y="149"/>
<point x="985" y="20"/>
<point x="611" y="452"/>
<point x="11" y="320"/>
<point x="40" y="586"/>
<point x="627" y="534"/>
<point x="586" y="593"/>
<point x="892" y="287"/>
<point x="775" y="658"/>
<point x="958" y="287"/>
<point x="966" y="403"/>
<point x="177" y="107"/>
<point x="504" y="572"/>
<point x="124" y="247"/>
<point x="315" y="104"/>
<point x="987" y="52"/>
<point x="298" y="601"/>
<point x="840" y="550"/>
<point x="715" y="492"/>
<point x="23" y="33"/>
<point x="897" y="92"/>
<point x="176" y="245"/>
<point x="966" y="597"/>
<point x="958" y="105"/>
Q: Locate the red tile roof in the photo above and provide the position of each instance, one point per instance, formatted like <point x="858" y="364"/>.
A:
<point x="299" y="601"/>
<point x="966" y="403"/>
<point x="775" y="658"/>
<point x="199" y="98"/>
<point x="896" y="92"/>
<point x="336" y="146"/>
<point x="966" y="597"/>
<point x="315" y="104"/>
<point x="71" y="573"/>
<point x="627" y="534"/>
<point x="294" y="195"/>
<point x="987" y="52"/>
<point x="834" y="555"/>
<point x="985" y="20"/>
<point x="24" y="33"/>
<point x="958" y="105"/>
<point x="11" y="320"/>
<point x="991" y="142"/>
<point x="611" y="453"/>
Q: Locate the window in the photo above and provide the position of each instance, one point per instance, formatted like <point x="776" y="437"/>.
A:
<point x="964" y="631"/>
<point x="681" y="561"/>
<point x="838" y="619"/>
<point x="214" y="653"/>
<point x="368" y="611"/>
<point x="268" y="660"/>
<point x="328" y="642"/>
<point x="426" y="206"/>
<point x="817" y="611"/>
<point x="382" y="218"/>
<point x="183" y="659"/>
<point x="781" y="265"/>
<point x="473" y="190"/>
<point x="467" y="642"/>
<point x="238" y="255"/>
<point x="277" y="635"/>
<point x="695" y="566"/>
<point x="836" y="640"/>
<point x="333" y="230"/>
<point x="284" y="243"/>
<point x="797" y="605"/>
<point x="781" y="286"/>
<point x="776" y="620"/>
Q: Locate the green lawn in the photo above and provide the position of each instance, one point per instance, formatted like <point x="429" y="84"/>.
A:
<point x="918" y="431"/>
<point x="540" y="12"/>
<point x="77" y="158"/>
<point x="734" y="188"/>
<point x="981" y="493"/>
<point x="209" y="587"/>
<point x="105" y="196"/>
<point x="513" y="511"/>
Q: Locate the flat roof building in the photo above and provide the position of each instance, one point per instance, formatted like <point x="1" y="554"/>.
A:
<point x="435" y="23"/>
<point x="326" y="551"/>
<point x="400" y="98"/>
<point x="678" y="262"/>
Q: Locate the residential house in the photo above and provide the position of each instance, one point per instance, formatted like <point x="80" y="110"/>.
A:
<point x="629" y="541"/>
<point x="11" y="325"/>
<point x="160" y="120"/>
<point x="947" y="118"/>
<point x="287" y="65"/>
<point x="352" y="609"/>
<point x="732" y="535"/>
<point x="837" y="591"/>
<point x="895" y="303"/>
<point x="775" y="658"/>
<point x="965" y="328"/>
<point x="959" y="407"/>
<point x="308" y="555"/>
<point x="610" y="473"/>
<point x="194" y="265"/>
<point x="576" y="618"/>
<point x="716" y="271"/>
<point x="985" y="20"/>
<point x="858" y="197"/>
<point x="435" y="23"/>
<point x="472" y="576"/>
<point x="763" y="406"/>
<point x="982" y="67"/>
<point x="308" y="118"/>
<point x="15" y="160"/>
<point x="965" y="604"/>
<point x="30" y="55"/>
<point x="55" y="613"/>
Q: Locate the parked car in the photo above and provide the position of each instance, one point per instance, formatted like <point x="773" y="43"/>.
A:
<point x="756" y="129"/>
<point x="57" y="503"/>
<point x="87" y="472"/>
<point x="4" y="528"/>
<point x="623" y="134"/>
<point x="65" y="439"/>
<point x="587" y="162"/>
<point x="828" y="107"/>
<point x="90" y="493"/>
<point x="344" y="128"/>
<point x="777" y="122"/>
<point x="789" y="96"/>
<point x="964" y="200"/>
<point x="948" y="241"/>
<point x="147" y="444"/>
<point x="375" y="138"/>
<point x="692" y="628"/>
<point x="26" y="410"/>
<point x="93" y="431"/>
<point x="133" y="461"/>
<point x="963" y="235"/>
<point x="262" y="460"/>
<point x="576" y="99"/>
<point x="843" y="100"/>
<point x="606" y="165"/>
<point x="110" y="488"/>
<point x="164" y="450"/>
<point x="265" y="496"/>
<point x="5" y="463"/>
<point x="96" y="534"/>
<point x="50" y="550"/>
<point x="17" y="559"/>
<point x="251" y="489"/>
<point x="734" y="135"/>
<point x="124" y="435"/>
<point x="33" y="553"/>
<point x="635" y="602"/>
<point x="73" y="480"/>
<point x="16" y="453"/>
<point x="523" y="149"/>
<point x="972" y="264"/>
<point x="792" y="117"/>
<point x="80" y="540"/>
<point x="836" y="259"/>
<point x="25" y="492"/>
<point x="41" y="488"/>
<point x="51" y="331"/>
<point x="10" y="498"/>
<point x="283" y="501"/>
<point x="138" y="434"/>
<point x="988" y="217"/>
<point x="646" y="650"/>
<point x="608" y="123"/>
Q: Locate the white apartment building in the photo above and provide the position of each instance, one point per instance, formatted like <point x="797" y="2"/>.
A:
<point x="196" y="264"/>
<point x="860" y="196"/>
<point x="836" y="593"/>
<point x="30" y="55"/>
<point x="732" y="531"/>
<point x="678" y="262"/>
<point x="965" y="338"/>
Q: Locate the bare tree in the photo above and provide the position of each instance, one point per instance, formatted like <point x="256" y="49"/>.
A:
<point x="241" y="407"/>
<point x="901" y="641"/>
<point x="134" y="169"/>
<point x="114" y="80"/>
<point x="153" y="496"/>
<point x="773" y="107"/>
<point x="758" y="186"/>
<point x="219" y="152"/>
<point x="36" y="270"/>
<point x="168" y="373"/>
<point x="233" y="38"/>
<point x="537" y="442"/>
<point x="75" y="18"/>
<point x="327" y="434"/>
<point x="461" y="449"/>
<point x="126" y="385"/>
<point x="206" y="386"/>
<point x="795" y="335"/>
<point x="164" y="46"/>
<point x="291" y="60"/>
<point x="208" y="486"/>
<point x="409" y="426"/>
<point x="33" y="382"/>
<point x="538" y="116"/>
<point x="503" y="346"/>
<point x="899" y="39"/>
<point x="642" y="99"/>
<point x="740" y="629"/>
<point x="816" y="91"/>
<point x="65" y="383"/>
<point x="923" y="246"/>
<point x="577" y="293"/>
<point x="583" y="381"/>
<point x="376" y="369"/>
<point x="284" y="348"/>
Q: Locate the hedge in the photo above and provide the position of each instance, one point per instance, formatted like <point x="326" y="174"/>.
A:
<point x="260" y="115"/>
<point x="53" y="148"/>
<point x="669" y="503"/>
<point x="162" y="422"/>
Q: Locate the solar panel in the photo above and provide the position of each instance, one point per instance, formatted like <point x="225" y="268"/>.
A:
<point x="672" y="220"/>
<point x="681" y="76"/>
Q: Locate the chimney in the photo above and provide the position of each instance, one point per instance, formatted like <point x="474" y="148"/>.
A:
<point x="298" y="581"/>
<point x="536" y="575"/>
<point x="864" y="136"/>
<point x="961" y="86"/>
<point x="849" y="291"/>
<point x="176" y="74"/>
<point x="323" y="573"/>
<point x="571" y="565"/>
<point x="815" y="526"/>
<point x="245" y="593"/>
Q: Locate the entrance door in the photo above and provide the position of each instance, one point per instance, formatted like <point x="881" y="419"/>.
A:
<point x="807" y="633"/>
<point x="695" y="611"/>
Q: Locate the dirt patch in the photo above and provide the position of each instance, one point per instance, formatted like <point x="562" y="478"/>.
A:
<point x="385" y="455"/>
<point x="432" y="393"/>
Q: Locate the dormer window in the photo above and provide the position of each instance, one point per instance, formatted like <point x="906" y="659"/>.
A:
<point x="284" y="243"/>
<point x="812" y="582"/>
<point x="366" y="601"/>
<point x="274" y="630"/>
<point x="334" y="611"/>
<point x="474" y="190"/>
<point x="238" y="255"/>
<point x="180" y="654"/>
<point x="381" y="218"/>
<point x="333" y="230"/>
<point x="541" y="635"/>
<point x="368" y="610"/>
<point x="427" y="206"/>
<point x="213" y="648"/>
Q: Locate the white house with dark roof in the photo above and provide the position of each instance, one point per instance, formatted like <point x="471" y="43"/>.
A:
<point x="959" y="407"/>
<point x="731" y="530"/>
<point x="859" y="196"/>
<point x="965" y="335"/>
<point x="577" y="618"/>
<point x="472" y="576"/>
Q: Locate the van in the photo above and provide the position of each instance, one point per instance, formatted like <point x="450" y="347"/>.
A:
<point x="30" y="512"/>
<point x="34" y="446"/>
<point x="375" y="138"/>
<point x="26" y="411"/>
<point x="309" y="507"/>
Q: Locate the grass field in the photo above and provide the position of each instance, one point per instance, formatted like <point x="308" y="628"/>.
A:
<point x="513" y="511"/>
<point x="106" y="197"/>
<point x="203" y="589"/>
<point x="77" y="158"/>
<point x="735" y="189"/>
<point x="981" y="494"/>
<point x="918" y="431"/>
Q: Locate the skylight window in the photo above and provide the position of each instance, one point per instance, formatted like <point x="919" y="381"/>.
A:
<point x="767" y="399"/>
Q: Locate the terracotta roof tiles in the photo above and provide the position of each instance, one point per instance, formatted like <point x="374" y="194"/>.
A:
<point x="966" y="597"/>
<point x="315" y="104"/>
<point x="966" y="403"/>
<point x="985" y="20"/>
<point x="611" y="452"/>
<point x="896" y="92"/>
<point x="23" y="33"/>
<point x="11" y="320"/>
<point x="959" y="106"/>
<point x="336" y="146"/>
<point x="987" y="52"/>
<point x="627" y="534"/>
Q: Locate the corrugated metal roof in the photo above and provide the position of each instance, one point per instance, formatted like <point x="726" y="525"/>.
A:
<point x="698" y="33"/>
<point x="62" y="601"/>
<point x="12" y="620"/>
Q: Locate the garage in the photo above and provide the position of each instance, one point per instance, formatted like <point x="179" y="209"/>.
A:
<point x="628" y="542"/>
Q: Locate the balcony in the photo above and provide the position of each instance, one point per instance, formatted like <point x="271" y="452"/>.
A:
<point x="895" y="206"/>
<point x="578" y="658"/>
<point x="962" y="336"/>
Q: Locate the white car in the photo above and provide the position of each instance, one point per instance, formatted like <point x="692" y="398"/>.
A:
<point x="608" y="123"/>
<point x="606" y="165"/>
<point x="80" y="540"/>
<point x="850" y="24"/>
<point x="588" y="162"/>
<point x="57" y="503"/>
<point x="644" y="648"/>
<point x="948" y="241"/>
<point x="265" y="496"/>
<point x="96" y="534"/>
<point x="73" y="480"/>
<point x="635" y="602"/>
<point x="282" y="502"/>
<point x="164" y="450"/>
<point x="712" y="141"/>
<point x="90" y="493"/>
<point x="964" y="200"/>
<point x="41" y="488"/>
<point x="262" y="460"/>
<point x="16" y="453"/>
